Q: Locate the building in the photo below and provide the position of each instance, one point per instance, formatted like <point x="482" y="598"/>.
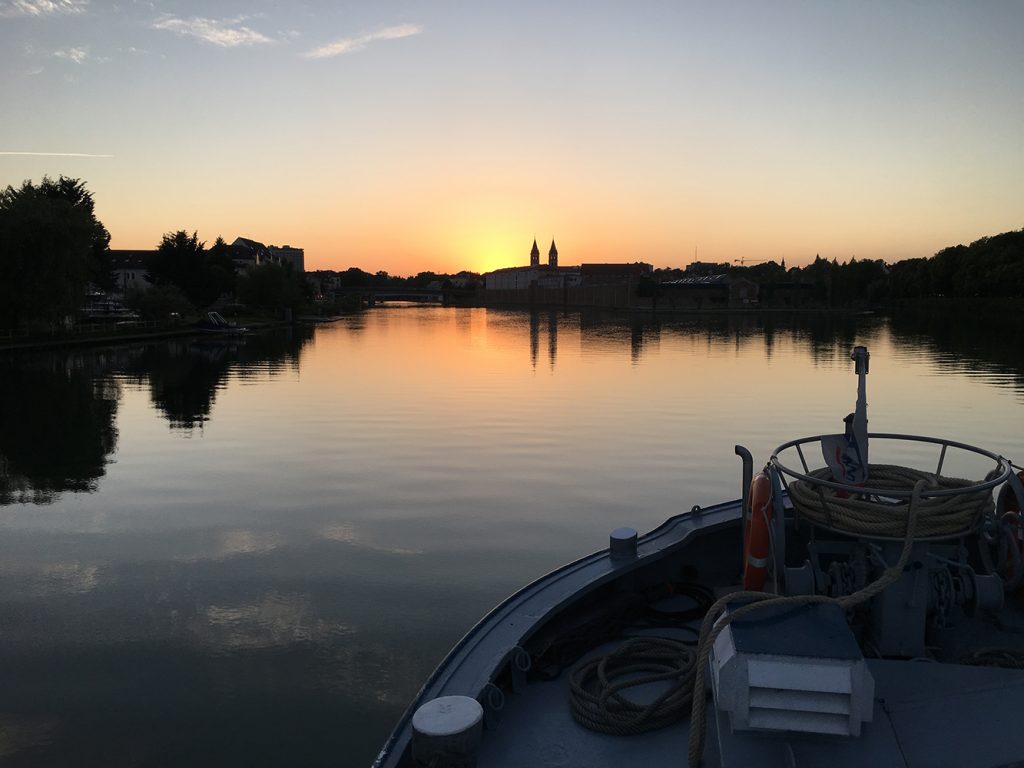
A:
<point x="613" y="274"/>
<point x="246" y="253"/>
<point x="548" y="275"/>
<point x="288" y="255"/>
<point x="129" y="268"/>
<point x="708" y="292"/>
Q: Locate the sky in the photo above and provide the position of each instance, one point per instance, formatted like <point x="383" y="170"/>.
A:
<point x="441" y="136"/>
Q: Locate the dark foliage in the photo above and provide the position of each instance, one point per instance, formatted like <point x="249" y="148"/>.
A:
<point x="182" y="260"/>
<point x="989" y="267"/>
<point x="273" y="286"/>
<point x="51" y="246"/>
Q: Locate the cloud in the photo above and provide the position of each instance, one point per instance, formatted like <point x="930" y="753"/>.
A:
<point x="49" y="154"/>
<point x="353" y="44"/>
<point x="227" y="33"/>
<point x="12" y="8"/>
<point x="77" y="55"/>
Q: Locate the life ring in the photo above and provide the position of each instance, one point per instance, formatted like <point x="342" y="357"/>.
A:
<point x="758" y="539"/>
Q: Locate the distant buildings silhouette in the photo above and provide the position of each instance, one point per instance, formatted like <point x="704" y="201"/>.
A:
<point x="551" y="275"/>
<point x="130" y="264"/>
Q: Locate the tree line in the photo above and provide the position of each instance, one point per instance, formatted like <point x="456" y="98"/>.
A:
<point x="54" y="252"/>
<point x="990" y="267"/>
<point x="53" y="249"/>
<point x="186" y="275"/>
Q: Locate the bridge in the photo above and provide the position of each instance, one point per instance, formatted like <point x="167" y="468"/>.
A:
<point x="369" y="296"/>
<point x="373" y="296"/>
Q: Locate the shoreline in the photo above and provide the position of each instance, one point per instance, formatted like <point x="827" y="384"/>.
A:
<point x="1016" y="305"/>
<point x="37" y="344"/>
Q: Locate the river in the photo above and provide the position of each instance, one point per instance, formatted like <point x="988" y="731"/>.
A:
<point x="252" y="551"/>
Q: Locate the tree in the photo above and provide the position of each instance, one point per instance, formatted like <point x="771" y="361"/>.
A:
<point x="160" y="303"/>
<point x="179" y="260"/>
<point x="182" y="260"/>
<point x="51" y="245"/>
<point x="220" y="269"/>
<point x="271" y="286"/>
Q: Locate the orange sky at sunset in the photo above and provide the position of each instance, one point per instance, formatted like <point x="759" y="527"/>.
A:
<point x="424" y="137"/>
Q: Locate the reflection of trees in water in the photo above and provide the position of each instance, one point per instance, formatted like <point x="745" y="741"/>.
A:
<point x="823" y="335"/>
<point x="185" y="375"/>
<point x="183" y="379"/>
<point x="57" y="411"/>
<point x="964" y="340"/>
<point x="958" y="340"/>
<point x="58" y="428"/>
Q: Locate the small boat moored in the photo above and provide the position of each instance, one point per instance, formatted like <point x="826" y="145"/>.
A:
<point x="842" y="613"/>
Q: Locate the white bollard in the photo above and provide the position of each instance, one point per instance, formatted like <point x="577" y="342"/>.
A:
<point x="446" y="732"/>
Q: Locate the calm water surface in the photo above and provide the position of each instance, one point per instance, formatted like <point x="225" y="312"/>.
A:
<point x="253" y="551"/>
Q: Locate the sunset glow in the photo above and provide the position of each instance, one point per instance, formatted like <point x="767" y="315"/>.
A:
<point x="429" y="137"/>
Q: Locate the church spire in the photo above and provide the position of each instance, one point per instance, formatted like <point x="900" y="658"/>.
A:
<point x="535" y="254"/>
<point x="553" y="255"/>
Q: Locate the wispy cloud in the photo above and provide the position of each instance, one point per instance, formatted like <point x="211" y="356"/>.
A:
<point x="77" y="55"/>
<point x="357" y="43"/>
<point x="227" y="33"/>
<point x="12" y="8"/>
<point x="50" y="154"/>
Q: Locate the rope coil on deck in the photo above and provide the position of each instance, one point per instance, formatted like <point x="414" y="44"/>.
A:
<point x="936" y="515"/>
<point x="596" y="686"/>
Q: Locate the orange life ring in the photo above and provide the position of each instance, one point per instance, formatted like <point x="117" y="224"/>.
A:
<point x="758" y="538"/>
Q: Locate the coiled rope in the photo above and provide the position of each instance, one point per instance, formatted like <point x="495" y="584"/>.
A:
<point x="596" y="686"/>
<point x="711" y="627"/>
<point x="936" y="515"/>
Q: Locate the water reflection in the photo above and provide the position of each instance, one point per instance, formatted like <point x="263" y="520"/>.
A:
<point x="184" y="376"/>
<point x="58" y="427"/>
<point x="276" y="590"/>
<point x="963" y="339"/>
<point x="58" y="410"/>
<point x="974" y="342"/>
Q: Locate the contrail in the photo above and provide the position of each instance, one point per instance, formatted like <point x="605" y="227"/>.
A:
<point x="52" y="154"/>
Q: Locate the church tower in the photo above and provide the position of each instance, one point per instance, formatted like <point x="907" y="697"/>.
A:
<point x="553" y="255"/>
<point x="535" y="254"/>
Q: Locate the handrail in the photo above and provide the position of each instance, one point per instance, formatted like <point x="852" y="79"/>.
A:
<point x="991" y="480"/>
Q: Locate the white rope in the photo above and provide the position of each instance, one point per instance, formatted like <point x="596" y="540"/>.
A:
<point x="936" y="515"/>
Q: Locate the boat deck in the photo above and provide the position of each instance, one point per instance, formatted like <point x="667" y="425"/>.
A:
<point x="926" y="715"/>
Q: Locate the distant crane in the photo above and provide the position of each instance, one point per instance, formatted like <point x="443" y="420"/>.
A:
<point x="743" y="260"/>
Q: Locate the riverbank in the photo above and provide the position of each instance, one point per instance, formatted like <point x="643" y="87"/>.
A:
<point x="113" y="335"/>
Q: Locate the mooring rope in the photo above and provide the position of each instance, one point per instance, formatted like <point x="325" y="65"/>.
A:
<point x="596" y="686"/>
<point x="712" y="626"/>
<point x="936" y="515"/>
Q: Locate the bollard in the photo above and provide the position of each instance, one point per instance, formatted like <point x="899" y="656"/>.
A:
<point x="623" y="543"/>
<point x="446" y="732"/>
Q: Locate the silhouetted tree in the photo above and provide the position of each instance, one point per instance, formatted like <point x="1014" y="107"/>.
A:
<point x="220" y="268"/>
<point x="158" y="303"/>
<point x="272" y="286"/>
<point x="353" y="277"/>
<point x="180" y="260"/>
<point x="51" y="245"/>
<point x="183" y="261"/>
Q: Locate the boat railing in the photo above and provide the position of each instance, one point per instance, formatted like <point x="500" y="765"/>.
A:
<point x="1000" y="473"/>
